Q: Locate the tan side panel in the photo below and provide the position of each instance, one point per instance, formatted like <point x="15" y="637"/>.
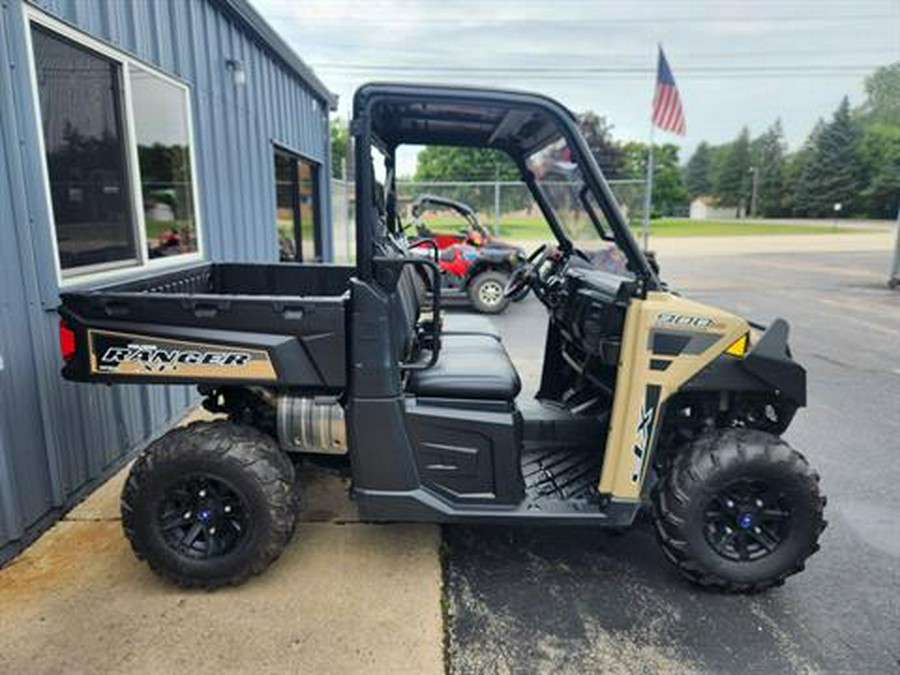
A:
<point x="635" y="417"/>
<point x="130" y="355"/>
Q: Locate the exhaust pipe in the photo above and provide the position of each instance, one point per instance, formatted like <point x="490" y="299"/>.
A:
<point x="311" y="424"/>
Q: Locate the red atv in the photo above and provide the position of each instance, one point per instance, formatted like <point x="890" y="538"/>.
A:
<point x="474" y="265"/>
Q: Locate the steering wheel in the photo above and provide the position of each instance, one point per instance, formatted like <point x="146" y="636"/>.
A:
<point x="526" y="273"/>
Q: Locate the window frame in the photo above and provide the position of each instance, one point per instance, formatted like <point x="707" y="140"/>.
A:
<point x="317" y="235"/>
<point x="87" y="274"/>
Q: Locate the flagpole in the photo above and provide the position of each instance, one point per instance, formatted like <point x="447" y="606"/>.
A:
<point x="648" y="190"/>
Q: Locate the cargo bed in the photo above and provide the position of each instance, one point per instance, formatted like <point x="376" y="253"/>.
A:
<point x="274" y="324"/>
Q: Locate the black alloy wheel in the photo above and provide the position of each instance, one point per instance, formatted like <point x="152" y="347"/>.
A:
<point x="202" y="517"/>
<point x="747" y="520"/>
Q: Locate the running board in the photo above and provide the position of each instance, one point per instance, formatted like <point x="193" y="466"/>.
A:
<point x="422" y="505"/>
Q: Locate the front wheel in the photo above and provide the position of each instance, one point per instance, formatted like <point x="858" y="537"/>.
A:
<point x="210" y="504"/>
<point x="521" y="294"/>
<point x="486" y="292"/>
<point x="739" y="510"/>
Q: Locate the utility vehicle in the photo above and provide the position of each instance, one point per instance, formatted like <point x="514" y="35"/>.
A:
<point x="646" y="397"/>
<point x="475" y="265"/>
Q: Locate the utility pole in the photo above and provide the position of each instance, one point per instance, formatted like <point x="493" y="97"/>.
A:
<point x="496" y="200"/>
<point x="348" y="216"/>
<point x="648" y="190"/>
<point x="753" y="191"/>
<point x="894" y="281"/>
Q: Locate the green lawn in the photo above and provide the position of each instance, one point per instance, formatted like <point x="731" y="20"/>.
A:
<point x="534" y="227"/>
<point x="684" y="227"/>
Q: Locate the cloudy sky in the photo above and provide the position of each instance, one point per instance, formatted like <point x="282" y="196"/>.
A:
<point x="735" y="63"/>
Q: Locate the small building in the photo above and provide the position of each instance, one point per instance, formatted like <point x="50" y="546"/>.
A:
<point x="134" y="136"/>
<point x="706" y="208"/>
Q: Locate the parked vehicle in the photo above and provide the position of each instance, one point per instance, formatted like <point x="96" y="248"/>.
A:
<point x="646" y="398"/>
<point x="475" y="265"/>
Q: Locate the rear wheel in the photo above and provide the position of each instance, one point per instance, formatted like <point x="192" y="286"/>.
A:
<point x="739" y="510"/>
<point x="486" y="292"/>
<point x="210" y="504"/>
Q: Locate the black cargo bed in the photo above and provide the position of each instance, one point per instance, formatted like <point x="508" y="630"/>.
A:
<point x="292" y="315"/>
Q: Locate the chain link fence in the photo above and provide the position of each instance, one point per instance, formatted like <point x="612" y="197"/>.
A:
<point x="505" y="208"/>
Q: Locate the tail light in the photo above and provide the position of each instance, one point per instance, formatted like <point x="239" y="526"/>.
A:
<point x="66" y="341"/>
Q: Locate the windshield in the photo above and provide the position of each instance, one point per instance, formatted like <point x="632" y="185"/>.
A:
<point x="580" y="217"/>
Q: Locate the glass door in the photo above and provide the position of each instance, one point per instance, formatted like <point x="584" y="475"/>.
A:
<point x="297" y="216"/>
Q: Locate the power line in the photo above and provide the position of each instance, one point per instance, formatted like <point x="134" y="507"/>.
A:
<point x="668" y="4"/>
<point x="799" y="68"/>
<point x="892" y="50"/>
<point x="550" y="77"/>
<point x="584" y="21"/>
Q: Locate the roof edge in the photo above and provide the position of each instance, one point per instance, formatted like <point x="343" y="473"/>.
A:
<point x="256" y="23"/>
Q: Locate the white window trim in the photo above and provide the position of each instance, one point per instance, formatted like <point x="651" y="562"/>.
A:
<point x="133" y="266"/>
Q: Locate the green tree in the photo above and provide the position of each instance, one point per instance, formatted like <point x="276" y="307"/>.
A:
<point x="882" y="103"/>
<point x="340" y="145"/>
<point x="835" y="173"/>
<point x="698" y="178"/>
<point x="798" y="174"/>
<point x="767" y="154"/>
<point x="669" y="193"/>
<point x="447" y="163"/>
<point x="880" y="153"/>
<point x="732" y="181"/>
<point x="597" y="131"/>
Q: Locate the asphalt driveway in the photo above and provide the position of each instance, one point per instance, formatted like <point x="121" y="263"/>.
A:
<point x="576" y="600"/>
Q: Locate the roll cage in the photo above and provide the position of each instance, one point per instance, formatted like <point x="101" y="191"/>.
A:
<point x="425" y="202"/>
<point x="388" y="115"/>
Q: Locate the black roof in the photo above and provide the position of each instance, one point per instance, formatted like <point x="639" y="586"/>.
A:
<point x="415" y="113"/>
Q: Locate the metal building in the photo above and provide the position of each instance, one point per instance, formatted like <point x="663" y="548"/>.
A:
<point x="134" y="136"/>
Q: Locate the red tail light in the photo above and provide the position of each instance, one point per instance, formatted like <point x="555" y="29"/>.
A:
<point x="66" y="341"/>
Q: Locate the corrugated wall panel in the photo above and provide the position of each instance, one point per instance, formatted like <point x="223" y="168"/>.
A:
<point x="57" y="438"/>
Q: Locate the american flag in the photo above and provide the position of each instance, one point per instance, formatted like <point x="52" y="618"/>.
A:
<point x="667" y="112"/>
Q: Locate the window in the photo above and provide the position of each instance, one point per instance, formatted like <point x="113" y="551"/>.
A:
<point x="164" y="159"/>
<point x="297" y="218"/>
<point x="558" y="176"/>
<point x="80" y="99"/>
<point x="117" y="140"/>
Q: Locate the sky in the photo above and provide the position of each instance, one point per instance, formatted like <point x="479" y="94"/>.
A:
<point x="735" y="63"/>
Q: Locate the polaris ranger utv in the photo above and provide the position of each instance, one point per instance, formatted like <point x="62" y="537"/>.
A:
<point x="646" y="398"/>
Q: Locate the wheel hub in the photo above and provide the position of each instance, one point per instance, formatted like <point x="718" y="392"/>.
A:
<point x="202" y="517"/>
<point x="490" y="293"/>
<point x="747" y="520"/>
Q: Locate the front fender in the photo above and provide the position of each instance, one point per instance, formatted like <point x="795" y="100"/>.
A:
<point x="767" y="367"/>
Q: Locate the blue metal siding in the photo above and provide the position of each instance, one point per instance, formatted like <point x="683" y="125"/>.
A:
<point x="58" y="439"/>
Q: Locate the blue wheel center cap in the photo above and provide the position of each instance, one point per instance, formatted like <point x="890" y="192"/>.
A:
<point x="745" y="521"/>
<point x="205" y="514"/>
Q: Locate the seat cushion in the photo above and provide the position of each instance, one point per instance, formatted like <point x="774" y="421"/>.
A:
<point x="469" y="366"/>
<point x="468" y="324"/>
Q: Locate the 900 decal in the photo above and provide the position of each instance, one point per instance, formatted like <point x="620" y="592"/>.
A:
<point x="684" y="321"/>
<point x="126" y="354"/>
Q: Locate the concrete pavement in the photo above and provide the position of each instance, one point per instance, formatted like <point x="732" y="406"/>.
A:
<point x="344" y="598"/>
